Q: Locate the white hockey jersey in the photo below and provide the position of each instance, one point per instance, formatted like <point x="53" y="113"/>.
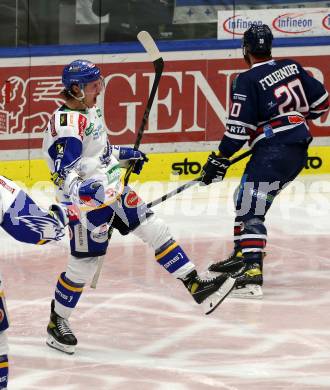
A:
<point x="76" y="145"/>
<point x="8" y="193"/>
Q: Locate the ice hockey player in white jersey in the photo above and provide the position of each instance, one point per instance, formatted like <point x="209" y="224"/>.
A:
<point x="86" y="169"/>
<point x="25" y="221"/>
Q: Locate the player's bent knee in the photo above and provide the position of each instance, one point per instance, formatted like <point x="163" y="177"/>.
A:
<point x="154" y="232"/>
<point x="81" y="270"/>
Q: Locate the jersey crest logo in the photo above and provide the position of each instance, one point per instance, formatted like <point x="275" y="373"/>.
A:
<point x="47" y="228"/>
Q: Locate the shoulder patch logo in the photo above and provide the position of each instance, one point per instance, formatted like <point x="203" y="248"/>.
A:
<point x="52" y="126"/>
<point x="60" y="148"/>
<point x="63" y="119"/>
<point x="82" y="122"/>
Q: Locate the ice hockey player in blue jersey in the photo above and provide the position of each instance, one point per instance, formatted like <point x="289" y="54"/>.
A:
<point x="86" y="169"/>
<point x="271" y="104"/>
<point x="25" y="221"/>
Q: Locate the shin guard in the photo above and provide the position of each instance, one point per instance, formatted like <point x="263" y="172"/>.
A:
<point x="172" y="257"/>
<point x="67" y="293"/>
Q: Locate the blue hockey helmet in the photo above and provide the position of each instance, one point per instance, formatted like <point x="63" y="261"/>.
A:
<point x="258" y="40"/>
<point x="80" y="72"/>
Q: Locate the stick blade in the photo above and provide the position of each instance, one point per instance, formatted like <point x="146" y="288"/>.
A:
<point x="149" y="45"/>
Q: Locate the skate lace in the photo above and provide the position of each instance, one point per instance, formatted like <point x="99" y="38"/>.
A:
<point x="63" y="327"/>
<point x="203" y="280"/>
<point x="232" y="256"/>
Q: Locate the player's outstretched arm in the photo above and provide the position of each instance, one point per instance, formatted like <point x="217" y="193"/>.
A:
<point x="24" y="220"/>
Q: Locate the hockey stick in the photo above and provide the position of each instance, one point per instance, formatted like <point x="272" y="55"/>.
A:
<point x="98" y="270"/>
<point x="150" y="47"/>
<point x="192" y="182"/>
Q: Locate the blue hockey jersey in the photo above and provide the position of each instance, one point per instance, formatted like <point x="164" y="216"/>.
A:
<point x="271" y="103"/>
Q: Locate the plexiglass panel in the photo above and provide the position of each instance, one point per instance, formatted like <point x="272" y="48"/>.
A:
<point x="43" y="22"/>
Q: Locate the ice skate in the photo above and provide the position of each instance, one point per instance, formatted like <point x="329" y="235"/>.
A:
<point x="232" y="264"/>
<point x="248" y="282"/>
<point x="247" y="269"/>
<point x="209" y="292"/>
<point x="60" y="335"/>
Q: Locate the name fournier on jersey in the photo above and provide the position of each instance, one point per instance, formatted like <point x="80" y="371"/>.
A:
<point x="278" y="75"/>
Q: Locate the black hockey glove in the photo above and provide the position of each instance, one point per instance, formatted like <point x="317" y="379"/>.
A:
<point x="215" y="169"/>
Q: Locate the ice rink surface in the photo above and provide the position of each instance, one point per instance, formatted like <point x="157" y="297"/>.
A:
<point x="141" y="330"/>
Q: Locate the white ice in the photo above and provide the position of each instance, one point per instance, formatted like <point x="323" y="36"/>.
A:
<point x="140" y="329"/>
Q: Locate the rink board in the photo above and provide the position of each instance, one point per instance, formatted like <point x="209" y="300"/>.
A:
<point x="161" y="167"/>
<point x="186" y="121"/>
<point x="191" y="105"/>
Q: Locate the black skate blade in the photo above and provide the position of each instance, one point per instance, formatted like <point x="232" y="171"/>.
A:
<point x="249" y="291"/>
<point x="214" y="300"/>
<point x="52" y="343"/>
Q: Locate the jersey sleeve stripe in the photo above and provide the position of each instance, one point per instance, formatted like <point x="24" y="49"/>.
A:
<point x="322" y="99"/>
<point x="235" y="136"/>
<point x="319" y="111"/>
<point x="239" y="123"/>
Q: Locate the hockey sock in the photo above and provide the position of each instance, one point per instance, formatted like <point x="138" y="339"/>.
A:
<point x="172" y="257"/>
<point x="254" y="236"/>
<point x="238" y="228"/>
<point x="67" y="293"/>
<point x="3" y="371"/>
<point x="252" y="258"/>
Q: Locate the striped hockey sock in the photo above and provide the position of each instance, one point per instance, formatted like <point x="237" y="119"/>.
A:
<point x="3" y="371"/>
<point x="172" y="257"/>
<point x="67" y="293"/>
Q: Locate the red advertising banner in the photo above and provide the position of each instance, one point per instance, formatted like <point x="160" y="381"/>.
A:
<point x="190" y="106"/>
